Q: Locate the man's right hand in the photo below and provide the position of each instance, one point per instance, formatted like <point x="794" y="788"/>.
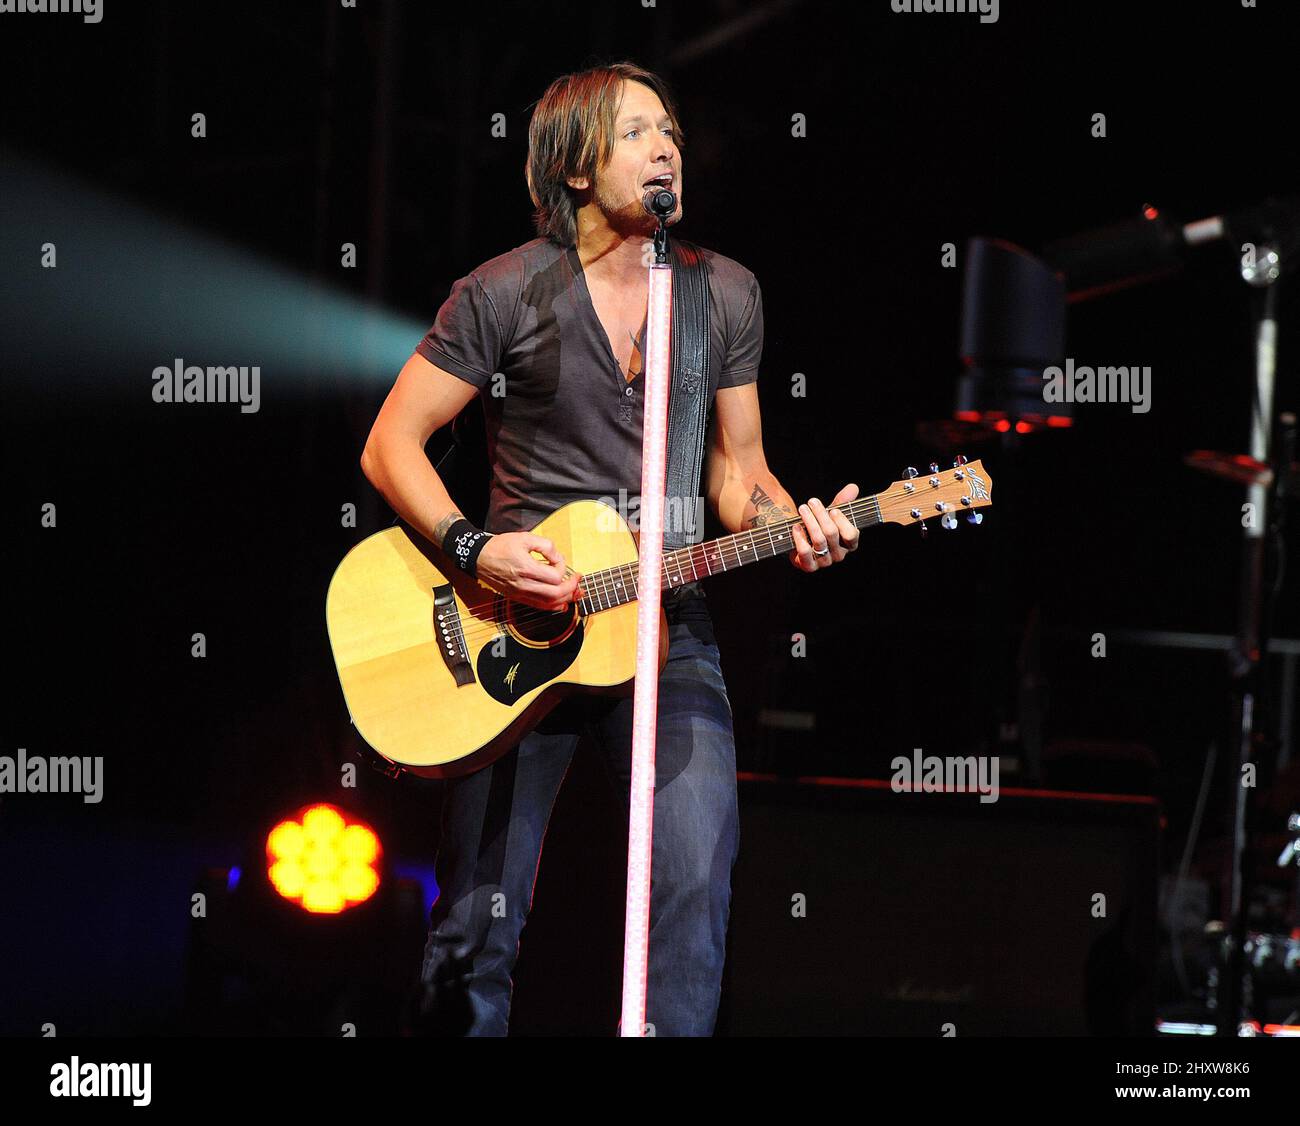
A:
<point x="508" y="565"/>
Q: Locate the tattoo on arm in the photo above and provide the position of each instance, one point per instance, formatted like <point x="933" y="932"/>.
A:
<point x="769" y="512"/>
<point x="440" y="529"/>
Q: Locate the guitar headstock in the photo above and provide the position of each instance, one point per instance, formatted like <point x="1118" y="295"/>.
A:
<point x="941" y="494"/>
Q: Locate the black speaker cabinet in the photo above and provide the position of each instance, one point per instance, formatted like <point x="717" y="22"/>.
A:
<point x="860" y="911"/>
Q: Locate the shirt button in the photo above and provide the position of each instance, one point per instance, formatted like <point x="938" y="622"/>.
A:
<point x="628" y="391"/>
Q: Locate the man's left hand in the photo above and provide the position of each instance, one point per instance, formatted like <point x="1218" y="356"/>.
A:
<point x="824" y="530"/>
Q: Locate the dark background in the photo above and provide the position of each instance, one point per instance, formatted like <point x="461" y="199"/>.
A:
<point x="372" y="126"/>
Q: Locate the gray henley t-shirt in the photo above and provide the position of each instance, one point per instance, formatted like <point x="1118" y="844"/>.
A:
<point x="563" y="421"/>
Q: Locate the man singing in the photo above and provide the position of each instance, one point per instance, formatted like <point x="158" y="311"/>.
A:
<point x="551" y="334"/>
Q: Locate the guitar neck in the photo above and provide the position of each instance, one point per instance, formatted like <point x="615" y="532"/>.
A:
<point x="616" y="586"/>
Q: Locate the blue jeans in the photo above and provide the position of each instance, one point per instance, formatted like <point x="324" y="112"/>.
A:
<point x="493" y="823"/>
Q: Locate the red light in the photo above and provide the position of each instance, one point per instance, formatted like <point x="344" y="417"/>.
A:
<point x="1059" y="420"/>
<point x="967" y="416"/>
<point x="1023" y="428"/>
<point x="1150" y="212"/>
<point x="1002" y="426"/>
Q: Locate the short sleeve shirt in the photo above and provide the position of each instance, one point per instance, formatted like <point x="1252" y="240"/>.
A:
<point x="563" y="421"/>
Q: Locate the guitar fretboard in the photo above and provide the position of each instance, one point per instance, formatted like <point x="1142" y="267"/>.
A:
<point x="616" y="586"/>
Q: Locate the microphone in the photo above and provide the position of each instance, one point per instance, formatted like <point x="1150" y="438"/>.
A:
<point x="660" y="202"/>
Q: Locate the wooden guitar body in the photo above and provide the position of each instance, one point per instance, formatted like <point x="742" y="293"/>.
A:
<point x="441" y="675"/>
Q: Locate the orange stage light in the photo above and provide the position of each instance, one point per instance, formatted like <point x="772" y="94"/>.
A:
<point x="323" y="861"/>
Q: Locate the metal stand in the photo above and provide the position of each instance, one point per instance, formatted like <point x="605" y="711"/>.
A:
<point x="654" y="447"/>
<point x="1262" y="524"/>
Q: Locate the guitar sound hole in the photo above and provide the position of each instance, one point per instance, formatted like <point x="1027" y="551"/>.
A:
<point x="540" y="627"/>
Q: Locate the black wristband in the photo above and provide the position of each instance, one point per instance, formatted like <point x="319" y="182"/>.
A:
<point x="463" y="542"/>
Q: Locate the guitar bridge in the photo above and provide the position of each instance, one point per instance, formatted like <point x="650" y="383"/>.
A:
<point x="450" y="636"/>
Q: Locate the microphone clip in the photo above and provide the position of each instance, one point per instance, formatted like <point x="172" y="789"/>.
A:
<point x="661" y="203"/>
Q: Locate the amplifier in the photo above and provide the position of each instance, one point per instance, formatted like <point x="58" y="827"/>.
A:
<point x="860" y="911"/>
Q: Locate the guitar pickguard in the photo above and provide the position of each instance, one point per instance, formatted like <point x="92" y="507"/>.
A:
<point x="521" y="668"/>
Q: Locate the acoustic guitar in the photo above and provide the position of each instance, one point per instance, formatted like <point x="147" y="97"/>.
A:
<point x="442" y="675"/>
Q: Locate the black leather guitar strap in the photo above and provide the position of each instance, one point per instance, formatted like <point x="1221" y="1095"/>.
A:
<point x="689" y="396"/>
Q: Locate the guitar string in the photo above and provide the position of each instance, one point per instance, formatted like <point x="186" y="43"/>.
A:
<point x="604" y="589"/>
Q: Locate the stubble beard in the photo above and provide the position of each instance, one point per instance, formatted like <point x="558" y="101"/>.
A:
<point x="629" y="217"/>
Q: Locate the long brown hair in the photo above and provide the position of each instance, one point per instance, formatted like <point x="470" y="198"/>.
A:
<point x="572" y="134"/>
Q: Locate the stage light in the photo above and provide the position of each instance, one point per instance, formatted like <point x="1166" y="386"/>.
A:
<point x="323" y="861"/>
<point x="1012" y="328"/>
<point x="148" y="291"/>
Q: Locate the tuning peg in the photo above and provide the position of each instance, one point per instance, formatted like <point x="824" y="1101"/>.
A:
<point x="949" y="521"/>
<point x="934" y="467"/>
<point x="960" y="461"/>
<point x="974" y="518"/>
<point x="909" y="472"/>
